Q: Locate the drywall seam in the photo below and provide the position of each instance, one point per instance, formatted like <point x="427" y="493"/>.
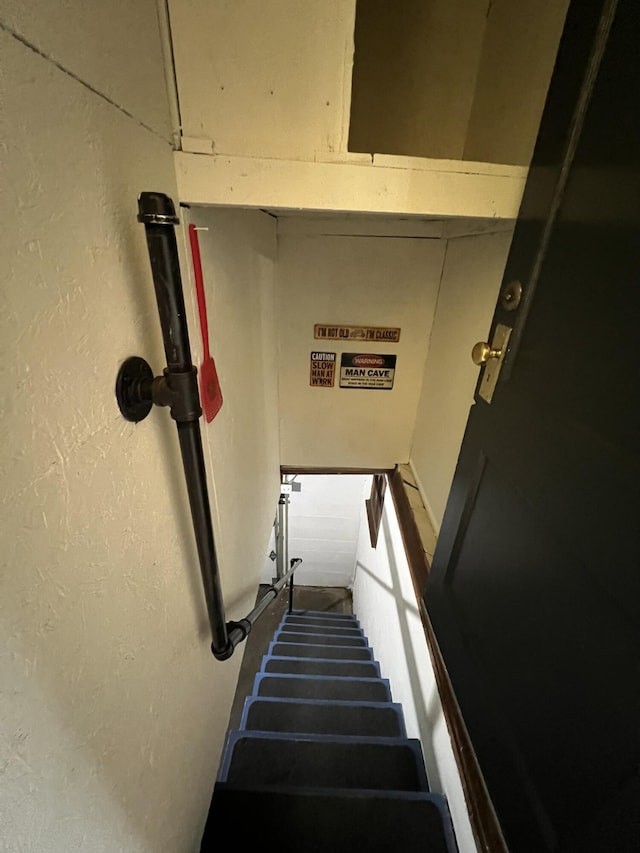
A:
<point x="24" y="41"/>
<point x="166" y="39"/>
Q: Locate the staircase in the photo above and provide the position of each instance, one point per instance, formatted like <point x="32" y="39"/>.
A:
<point x="321" y="761"/>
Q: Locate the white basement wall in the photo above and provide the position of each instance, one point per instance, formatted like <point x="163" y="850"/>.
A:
<point x="385" y="603"/>
<point x="360" y="280"/>
<point x="324" y="524"/>
<point x="471" y="280"/>
<point x="112" y="709"/>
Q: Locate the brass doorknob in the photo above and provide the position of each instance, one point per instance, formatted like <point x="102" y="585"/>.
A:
<point x="482" y="352"/>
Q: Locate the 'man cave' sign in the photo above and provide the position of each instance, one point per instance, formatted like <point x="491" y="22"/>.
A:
<point x="367" y="370"/>
<point x="322" y="372"/>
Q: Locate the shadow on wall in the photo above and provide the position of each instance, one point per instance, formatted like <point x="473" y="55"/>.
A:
<point x="428" y="712"/>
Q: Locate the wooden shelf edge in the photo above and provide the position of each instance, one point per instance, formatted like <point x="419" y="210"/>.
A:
<point x="436" y="188"/>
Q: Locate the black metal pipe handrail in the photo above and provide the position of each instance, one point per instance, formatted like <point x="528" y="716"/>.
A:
<point x="291" y="592"/>
<point x="238" y="631"/>
<point x="138" y="390"/>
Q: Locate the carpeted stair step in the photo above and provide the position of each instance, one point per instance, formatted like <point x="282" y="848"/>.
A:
<point x="315" y="666"/>
<point x="313" y="650"/>
<point x="324" y="614"/>
<point x="325" y="630"/>
<point x="323" y="762"/>
<point x="322" y="687"/>
<point x="321" y="639"/>
<point x="364" y="719"/>
<point x="321" y="621"/>
<point x="319" y="822"/>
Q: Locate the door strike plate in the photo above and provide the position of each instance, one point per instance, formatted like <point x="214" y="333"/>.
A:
<point x="492" y="367"/>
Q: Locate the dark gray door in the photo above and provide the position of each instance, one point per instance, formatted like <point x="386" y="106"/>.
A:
<point x="534" y="592"/>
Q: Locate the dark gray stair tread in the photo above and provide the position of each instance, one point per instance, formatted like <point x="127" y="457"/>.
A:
<point x="321" y="639"/>
<point x="343" y="624"/>
<point x="337" y="630"/>
<point x="322" y="687"/>
<point x="324" y="762"/>
<point x="308" y="650"/>
<point x="313" y="666"/>
<point x="319" y="822"/>
<point x="321" y="621"/>
<point x="320" y="717"/>
<point x="322" y="614"/>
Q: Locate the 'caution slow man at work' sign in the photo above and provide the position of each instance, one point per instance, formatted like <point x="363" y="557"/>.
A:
<point x="322" y="373"/>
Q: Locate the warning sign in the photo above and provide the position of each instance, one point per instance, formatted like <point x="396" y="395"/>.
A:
<point x="367" y="370"/>
<point x="322" y="373"/>
<point x="379" y="334"/>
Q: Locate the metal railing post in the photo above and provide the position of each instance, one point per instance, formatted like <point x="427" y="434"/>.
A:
<point x="291" y="591"/>
<point x="282" y="537"/>
<point x="238" y="631"/>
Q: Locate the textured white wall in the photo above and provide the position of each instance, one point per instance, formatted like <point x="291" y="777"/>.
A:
<point x="113" y="47"/>
<point x="385" y="603"/>
<point x="112" y="710"/>
<point x="471" y="280"/>
<point x="363" y="281"/>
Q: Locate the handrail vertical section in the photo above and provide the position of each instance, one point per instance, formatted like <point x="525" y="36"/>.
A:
<point x="157" y="213"/>
<point x="137" y="390"/>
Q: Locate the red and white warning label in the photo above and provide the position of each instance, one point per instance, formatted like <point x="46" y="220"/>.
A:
<point x="367" y="370"/>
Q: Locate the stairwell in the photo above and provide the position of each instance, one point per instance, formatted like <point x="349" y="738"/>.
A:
<point x="321" y="760"/>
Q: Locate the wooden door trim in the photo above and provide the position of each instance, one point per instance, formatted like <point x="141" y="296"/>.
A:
<point x="290" y="470"/>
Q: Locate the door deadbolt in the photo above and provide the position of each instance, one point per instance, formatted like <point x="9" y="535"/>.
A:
<point x="511" y="295"/>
